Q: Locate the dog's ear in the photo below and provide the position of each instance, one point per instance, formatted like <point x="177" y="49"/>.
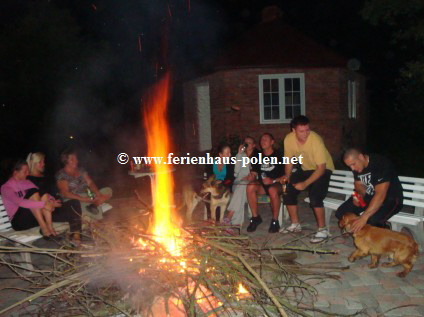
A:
<point x="344" y="221"/>
<point x="211" y="178"/>
<point x="341" y="223"/>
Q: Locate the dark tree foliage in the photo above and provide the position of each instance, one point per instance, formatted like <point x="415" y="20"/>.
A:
<point x="404" y="126"/>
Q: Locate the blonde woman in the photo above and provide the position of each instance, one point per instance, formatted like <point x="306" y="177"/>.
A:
<point x="36" y="165"/>
<point x="69" y="211"/>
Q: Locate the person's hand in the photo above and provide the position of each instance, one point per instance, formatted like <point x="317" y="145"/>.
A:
<point x="100" y="199"/>
<point x="227" y="182"/>
<point x="284" y="179"/>
<point x="241" y="148"/>
<point x="49" y="206"/>
<point x="300" y="186"/>
<point x="355" y="201"/>
<point x="358" y="224"/>
<point x="86" y="199"/>
<point x="57" y="203"/>
<point x="267" y="181"/>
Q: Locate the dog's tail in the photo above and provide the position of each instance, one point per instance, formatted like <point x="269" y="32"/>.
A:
<point x="415" y="253"/>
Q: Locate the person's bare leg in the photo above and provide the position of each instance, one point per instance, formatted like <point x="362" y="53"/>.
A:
<point x="252" y="198"/>
<point x="37" y="212"/>
<point x="275" y="202"/>
<point x="320" y="216"/>
<point x="230" y="214"/>
<point x="47" y="214"/>
<point x="292" y="209"/>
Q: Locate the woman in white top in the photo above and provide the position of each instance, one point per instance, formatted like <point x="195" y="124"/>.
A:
<point x="235" y="215"/>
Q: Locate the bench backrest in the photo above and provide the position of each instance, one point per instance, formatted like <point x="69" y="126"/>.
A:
<point x="4" y="218"/>
<point x="341" y="182"/>
<point x="413" y="193"/>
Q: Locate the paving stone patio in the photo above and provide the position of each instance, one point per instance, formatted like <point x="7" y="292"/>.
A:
<point x="376" y="292"/>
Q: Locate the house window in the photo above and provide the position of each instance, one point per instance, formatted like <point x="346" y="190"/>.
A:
<point x="351" y="99"/>
<point x="281" y="97"/>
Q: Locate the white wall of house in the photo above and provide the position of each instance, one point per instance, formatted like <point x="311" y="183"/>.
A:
<point x="204" y="116"/>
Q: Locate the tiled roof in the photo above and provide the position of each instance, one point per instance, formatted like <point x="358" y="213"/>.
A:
<point x="277" y="44"/>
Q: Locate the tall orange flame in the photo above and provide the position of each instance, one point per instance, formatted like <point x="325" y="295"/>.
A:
<point x="159" y="145"/>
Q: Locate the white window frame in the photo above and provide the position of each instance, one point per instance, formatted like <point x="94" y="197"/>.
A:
<point x="351" y="99"/>
<point x="281" y="91"/>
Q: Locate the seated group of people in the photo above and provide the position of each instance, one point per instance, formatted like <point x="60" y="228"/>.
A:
<point x="31" y="199"/>
<point x="375" y="181"/>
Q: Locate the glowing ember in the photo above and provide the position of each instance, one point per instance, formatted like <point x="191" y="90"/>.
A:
<point x="139" y="43"/>
<point x="242" y="292"/>
<point x="169" y="11"/>
<point x="242" y="289"/>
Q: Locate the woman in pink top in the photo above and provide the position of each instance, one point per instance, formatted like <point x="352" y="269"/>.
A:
<point x="24" y="205"/>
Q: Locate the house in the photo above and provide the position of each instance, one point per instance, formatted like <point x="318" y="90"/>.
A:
<point x="270" y="74"/>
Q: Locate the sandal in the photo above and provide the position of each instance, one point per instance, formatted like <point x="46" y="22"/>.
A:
<point x="321" y="235"/>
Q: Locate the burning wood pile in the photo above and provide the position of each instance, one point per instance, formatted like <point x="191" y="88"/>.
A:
<point x="162" y="269"/>
<point x="128" y="272"/>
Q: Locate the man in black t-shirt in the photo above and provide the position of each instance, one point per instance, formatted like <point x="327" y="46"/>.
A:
<point x="377" y="183"/>
<point x="263" y="180"/>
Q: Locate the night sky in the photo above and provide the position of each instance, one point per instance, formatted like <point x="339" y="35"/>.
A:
<point x="79" y="68"/>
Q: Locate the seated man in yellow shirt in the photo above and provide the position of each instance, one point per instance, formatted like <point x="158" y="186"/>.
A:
<point x="314" y="174"/>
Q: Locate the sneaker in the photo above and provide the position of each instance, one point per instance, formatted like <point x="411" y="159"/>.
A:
<point x="92" y="209"/>
<point x="293" y="228"/>
<point x="321" y="235"/>
<point x="254" y="222"/>
<point x="274" y="227"/>
<point x="105" y="207"/>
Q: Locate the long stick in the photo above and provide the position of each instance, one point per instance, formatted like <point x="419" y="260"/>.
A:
<point x="305" y="249"/>
<point x="264" y="286"/>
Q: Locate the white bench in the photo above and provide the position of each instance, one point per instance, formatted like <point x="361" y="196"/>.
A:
<point x="22" y="237"/>
<point x="341" y="184"/>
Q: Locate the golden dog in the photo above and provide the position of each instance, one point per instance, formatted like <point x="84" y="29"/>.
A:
<point x="190" y="201"/>
<point x="220" y="196"/>
<point x="376" y="242"/>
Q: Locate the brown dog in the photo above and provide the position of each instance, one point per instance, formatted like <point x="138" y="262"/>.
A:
<point x="190" y="201"/>
<point x="376" y="242"/>
<point x="220" y="196"/>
